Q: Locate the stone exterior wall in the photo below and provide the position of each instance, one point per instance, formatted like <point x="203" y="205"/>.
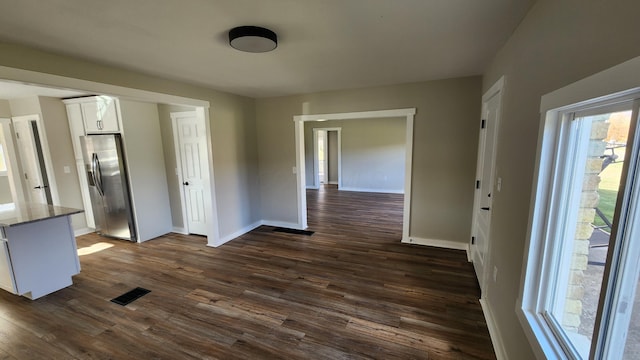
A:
<point x="586" y="216"/>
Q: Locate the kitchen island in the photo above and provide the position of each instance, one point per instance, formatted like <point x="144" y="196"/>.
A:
<point x="38" y="252"/>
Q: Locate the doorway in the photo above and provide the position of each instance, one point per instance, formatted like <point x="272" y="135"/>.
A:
<point x="400" y="114"/>
<point x="36" y="167"/>
<point x="190" y="140"/>
<point x="327" y="157"/>
<point x="484" y="187"/>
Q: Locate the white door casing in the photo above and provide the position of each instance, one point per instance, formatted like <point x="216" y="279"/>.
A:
<point x="191" y="156"/>
<point x="485" y="178"/>
<point x="32" y="175"/>
<point x="407" y="114"/>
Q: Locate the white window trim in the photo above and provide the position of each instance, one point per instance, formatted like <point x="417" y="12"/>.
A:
<point x="3" y="154"/>
<point x="614" y="83"/>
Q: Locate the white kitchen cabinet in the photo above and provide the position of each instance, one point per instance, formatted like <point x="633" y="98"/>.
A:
<point x="38" y="251"/>
<point x="96" y="114"/>
<point x="99" y="115"/>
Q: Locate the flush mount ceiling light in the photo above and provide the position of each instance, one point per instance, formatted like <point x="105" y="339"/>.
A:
<point x="252" y="39"/>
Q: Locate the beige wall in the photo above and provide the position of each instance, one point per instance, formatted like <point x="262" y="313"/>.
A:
<point x="332" y="156"/>
<point x="232" y="125"/>
<point x="5" y="109"/>
<point x="143" y="151"/>
<point x="559" y="42"/>
<point x="445" y="145"/>
<point x="373" y="153"/>
<point x="5" y="190"/>
<point x="54" y="116"/>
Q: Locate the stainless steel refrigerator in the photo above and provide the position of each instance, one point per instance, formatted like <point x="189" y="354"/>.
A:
<point x="108" y="185"/>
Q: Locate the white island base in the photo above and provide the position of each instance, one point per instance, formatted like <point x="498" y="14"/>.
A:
<point x="38" y="254"/>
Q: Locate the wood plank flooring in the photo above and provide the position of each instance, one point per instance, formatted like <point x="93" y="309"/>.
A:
<point x="350" y="291"/>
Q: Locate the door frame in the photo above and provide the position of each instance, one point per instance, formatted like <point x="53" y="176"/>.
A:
<point x="199" y="115"/>
<point x="46" y="154"/>
<point x="316" y="162"/>
<point x="407" y="114"/>
<point x="497" y="89"/>
<point x="13" y="168"/>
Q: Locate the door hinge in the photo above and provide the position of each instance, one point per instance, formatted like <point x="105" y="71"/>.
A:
<point x="473" y="240"/>
<point x="17" y="135"/>
<point x="483" y="124"/>
<point x="477" y="184"/>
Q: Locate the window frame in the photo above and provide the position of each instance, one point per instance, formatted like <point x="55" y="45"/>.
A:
<point x="620" y="83"/>
<point x="3" y="155"/>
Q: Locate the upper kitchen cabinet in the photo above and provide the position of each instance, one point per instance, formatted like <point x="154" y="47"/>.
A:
<point x="98" y="113"/>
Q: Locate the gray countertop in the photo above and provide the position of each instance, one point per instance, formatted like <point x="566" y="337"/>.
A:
<point x="27" y="212"/>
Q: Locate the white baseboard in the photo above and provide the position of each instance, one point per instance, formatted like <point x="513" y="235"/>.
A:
<point x="312" y="187"/>
<point x="83" y="231"/>
<point x="384" y="191"/>
<point x="496" y="339"/>
<point x="282" y="224"/>
<point x="447" y="244"/>
<point x="179" y="230"/>
<point x="333" y="183"/>
<point x="235" y="234"/>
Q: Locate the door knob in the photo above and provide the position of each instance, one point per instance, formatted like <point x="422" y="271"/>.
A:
<point x="484" y="208"/>
<point x="185" y="183"/>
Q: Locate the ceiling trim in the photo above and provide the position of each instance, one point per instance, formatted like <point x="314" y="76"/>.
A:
<point x="37" y="78"/>
<point x="357" y="115"/>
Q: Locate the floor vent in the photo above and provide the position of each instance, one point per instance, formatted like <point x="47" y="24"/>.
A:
<point x="294" y="231"/>
<point x="130" y="296"/>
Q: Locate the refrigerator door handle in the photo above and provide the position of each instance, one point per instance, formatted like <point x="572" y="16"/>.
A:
<point x="97" y="173"/>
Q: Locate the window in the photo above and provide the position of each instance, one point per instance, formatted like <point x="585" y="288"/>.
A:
<point x="579" y="296"/>
<point x="3" y="163"/>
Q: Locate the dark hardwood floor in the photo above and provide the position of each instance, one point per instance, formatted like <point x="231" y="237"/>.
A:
<point x="350" y="291"/>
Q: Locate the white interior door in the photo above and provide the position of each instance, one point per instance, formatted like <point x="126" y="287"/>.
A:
<point x="191" y="144"/>
<point x="32" y="162"/>
<point x="481" y="222"/>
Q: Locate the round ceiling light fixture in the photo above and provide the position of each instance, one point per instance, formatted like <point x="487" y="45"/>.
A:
<point x="253" y="39"/>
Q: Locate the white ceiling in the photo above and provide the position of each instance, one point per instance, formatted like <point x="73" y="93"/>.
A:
<point x="323" y="44"/>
